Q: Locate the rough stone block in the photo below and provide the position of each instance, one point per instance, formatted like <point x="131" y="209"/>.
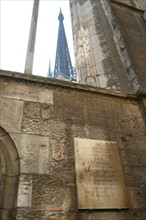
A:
<point x="35" y="126"/>
<point x="131" y="108"/>
<point x="119" y="215"/>
<point x="69" y="115"/>
<point x="58" y="131"/>
<point x="70" y="199"/>
<point x="48" y="191"/>
<point x="25" y="191"/>
<point x="129" y="157"/>
<point x="58" y="151"/>
<point x="101" y="120"/>
<point x="68" y="215"/>
<point x="33" y="152"/>
<point x="136" y="198"/>
<point x="32" y="110"/>
<point x="11" y="114"/>
<point x="46" y="112"/>
<point x="135" y="176"/>
<point x="27" y="92"/>
<point x="30" y="213"/>
<point x="35" y="110"/>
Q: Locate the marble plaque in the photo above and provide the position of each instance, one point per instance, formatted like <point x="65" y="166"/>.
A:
<point x="99" y="176"/>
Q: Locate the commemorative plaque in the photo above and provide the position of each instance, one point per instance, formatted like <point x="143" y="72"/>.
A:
<point x="99" y="176"/>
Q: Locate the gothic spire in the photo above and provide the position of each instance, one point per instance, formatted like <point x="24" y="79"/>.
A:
<point x="63" y="66"/>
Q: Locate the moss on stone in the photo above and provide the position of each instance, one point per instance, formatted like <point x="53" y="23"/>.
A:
<point x="66" y="84"/>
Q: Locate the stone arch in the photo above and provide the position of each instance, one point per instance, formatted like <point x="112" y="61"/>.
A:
<point x="9" y="175"/>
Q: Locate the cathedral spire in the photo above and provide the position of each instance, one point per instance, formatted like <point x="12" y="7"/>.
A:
<point x="63" y="66"/>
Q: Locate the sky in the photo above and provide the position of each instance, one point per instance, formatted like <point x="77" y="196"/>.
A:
<point x="15" y="24"/>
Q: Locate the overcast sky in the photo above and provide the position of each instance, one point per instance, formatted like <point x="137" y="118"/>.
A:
<point x="15" y="25"/>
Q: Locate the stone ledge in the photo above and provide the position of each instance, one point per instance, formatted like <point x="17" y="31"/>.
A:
<point x="65" y="84"/>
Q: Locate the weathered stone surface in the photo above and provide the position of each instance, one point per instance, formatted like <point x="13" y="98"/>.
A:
<point x="9" y="175"/>
<point x="68" y="115"/>
<point x="58" y="151"/>
<point x="99" y="62"/>
<point x="131" y="108"/>
<point x="35" y="126"/>
<point x="120" y="215"/>
<point x="11" y="114"/>
<point x="45" y="144"/>
<point x="48" y="191"/>
<point x="136" y="198"/>
<point x="61" y="216"/>
<point x="29" y="213"/>
<point x="36" y="118"/>
<point x="70" y="199"/>
<point x="25" y="191"/>
<point x="58" y="132"/>
<point x="133" y="28"/>
<point x="32" y="110"/>
<point x="127" y="141"/>
<point x="34" y="153"/>
<point x="134" y="3"/>
<point x="129" y="157"/>
<point x="27" y="93"/>
<point x="38" y="110"/>
<point x="135" y="176"/>
<point x="100" y="182"/>
<point x="46" y="112"/>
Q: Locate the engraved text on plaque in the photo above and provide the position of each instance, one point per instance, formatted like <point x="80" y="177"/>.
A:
<point x="100" y="181"/>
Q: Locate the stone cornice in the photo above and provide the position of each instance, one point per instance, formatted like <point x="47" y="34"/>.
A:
<point x="65" y="84"/>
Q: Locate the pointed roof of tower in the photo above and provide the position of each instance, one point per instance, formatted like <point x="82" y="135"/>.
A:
<point x="60" y="17"/>
<point x="63" y="66"/>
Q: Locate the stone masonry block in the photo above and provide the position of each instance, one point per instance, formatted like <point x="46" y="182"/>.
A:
<point x="48" y="191"/>
<point x="34" y="153"/>
<point x="30" y="213"/>
<point x="35" y="110"/>
<point x="25" y="191"/>
<point x="135" y="176"/>
<point x="68" y="115"/>
<point x="136" y="198"/>
<point x="67" y="215"/>
<point x="58" y="132"/>
<point x="35" y="126"/>
<point x="105" y="215"/>
<point x="70" y="199"/>
<point x="11" y="114"/>
<point x="27" y="93"/>
<point x="32" y="110"/>
<point x="58" y="151"/>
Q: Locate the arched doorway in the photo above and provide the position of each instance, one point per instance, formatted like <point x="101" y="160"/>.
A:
<point x="9" y="175"/>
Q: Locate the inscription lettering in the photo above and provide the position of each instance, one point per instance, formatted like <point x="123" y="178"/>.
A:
<point x="100" y="181"/>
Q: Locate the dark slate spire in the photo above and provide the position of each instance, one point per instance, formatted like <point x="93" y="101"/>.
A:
<point x="63" y="66"/>
<point x="60" y="17"/>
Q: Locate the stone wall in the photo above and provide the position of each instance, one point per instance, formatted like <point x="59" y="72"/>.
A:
<point x="109" y="43"/>
<point x="133" y="28"/>
<point x="42" y="118"/>
<point x="140" y="4"/>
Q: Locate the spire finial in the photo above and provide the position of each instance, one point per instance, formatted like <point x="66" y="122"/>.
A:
<point x="60" y="17"/>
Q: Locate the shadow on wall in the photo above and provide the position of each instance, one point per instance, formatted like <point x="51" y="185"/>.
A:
<point x="9" y="175"/>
